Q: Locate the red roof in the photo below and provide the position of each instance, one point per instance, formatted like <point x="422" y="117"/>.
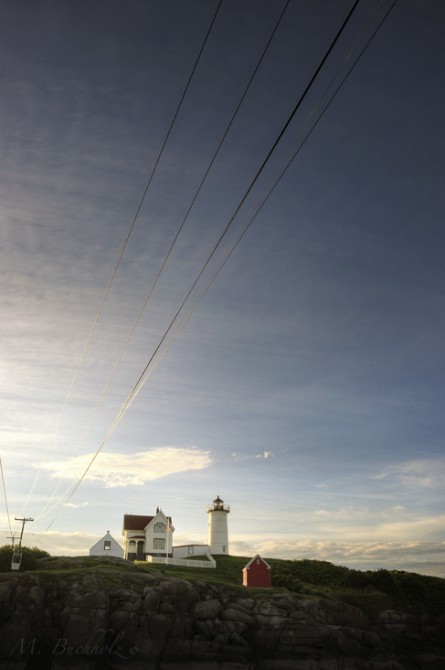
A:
<point x="256" y="558"/>
<point x="136" y="521"/>
<point x="139" y="521"/>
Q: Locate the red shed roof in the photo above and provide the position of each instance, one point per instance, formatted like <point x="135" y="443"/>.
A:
<point x="247" y="566"/>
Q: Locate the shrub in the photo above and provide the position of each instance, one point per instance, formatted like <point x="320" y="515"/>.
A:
<point x="30" y="557"/>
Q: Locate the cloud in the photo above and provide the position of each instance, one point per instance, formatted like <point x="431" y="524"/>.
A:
<point x="67" y="544"/>
<point x="421" y="528"/>
<point x="265" y="455"/>
<point x="131" y="469"/>
<point x="394" y="523"/>
<point x="424" y="557"/>
<point x="75" y="505"/>
<point x="359" y="513"/>
<point x="422" y="472"/>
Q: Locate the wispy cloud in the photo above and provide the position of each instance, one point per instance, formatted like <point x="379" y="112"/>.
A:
<point x="394" y="523"/>
<point x="422" y="472"/>
<point x="131" y="469"/>
<point x="75" y="505"/>
<point x="425" y="557"/>
<point x="352" y="513"/>
<point x="265" y="455"/>
<point x="67" y="544"/>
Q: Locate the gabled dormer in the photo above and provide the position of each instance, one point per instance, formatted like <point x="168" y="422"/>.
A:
<point x="159" y="535"/>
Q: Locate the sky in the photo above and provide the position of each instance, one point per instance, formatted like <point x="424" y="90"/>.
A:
<point x="214" y="283"/>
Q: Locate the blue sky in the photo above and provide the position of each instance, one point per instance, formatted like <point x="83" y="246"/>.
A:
<point x="305" y="386"/>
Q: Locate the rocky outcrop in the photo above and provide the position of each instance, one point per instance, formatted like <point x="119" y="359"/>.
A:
<point x="150" y="621"/>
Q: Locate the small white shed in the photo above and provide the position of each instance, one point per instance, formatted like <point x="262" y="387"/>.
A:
<point x="107" y="546"/>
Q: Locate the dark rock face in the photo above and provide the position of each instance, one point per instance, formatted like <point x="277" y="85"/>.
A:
<point x="152" y="622"/>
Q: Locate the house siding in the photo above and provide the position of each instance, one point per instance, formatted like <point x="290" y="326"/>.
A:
<point x="142" y="540"/>
<point x="114" y="549"/>
<point x="257" y="573"/>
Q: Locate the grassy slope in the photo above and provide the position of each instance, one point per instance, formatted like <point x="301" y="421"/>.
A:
<point x="369" y="590"/>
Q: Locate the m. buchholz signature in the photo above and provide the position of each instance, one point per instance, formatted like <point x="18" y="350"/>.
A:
<point x="93" y="646"/>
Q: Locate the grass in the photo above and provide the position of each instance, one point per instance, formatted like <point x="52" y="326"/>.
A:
<point x="228" y="571"/>
<point x="370" y="590"/>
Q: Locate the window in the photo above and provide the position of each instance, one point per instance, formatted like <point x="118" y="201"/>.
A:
<point x="159" y="527"/>
<point x="191" y="549"/>
<point x="158" y="543"/>
<point x="107" y="545"/>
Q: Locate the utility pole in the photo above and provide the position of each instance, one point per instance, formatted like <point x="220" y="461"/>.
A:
<point x="23" y="527"/>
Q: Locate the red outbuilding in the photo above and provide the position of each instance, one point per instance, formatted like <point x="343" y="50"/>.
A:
<point x="257" y="573"/>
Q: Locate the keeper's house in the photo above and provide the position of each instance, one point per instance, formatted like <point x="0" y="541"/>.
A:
<point x="147" y="536"/>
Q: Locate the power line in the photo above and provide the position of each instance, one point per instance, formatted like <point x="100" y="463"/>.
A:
<point x="139" y="383"/>
<point x="5" y="496"/>
<point x="279" y="172"/>
<point x="142" y="379"/>
<point x="127" y="238"/>
<point x="249" y="189"/>
<point x="183" y="222"/>
<point x="11" y="537"/>
<point x="302" y="142"/>
<point x="258" y="209"/>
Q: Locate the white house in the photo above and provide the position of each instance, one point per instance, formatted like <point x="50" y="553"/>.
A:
<point x="147" y="536"/>
<point x="107" y="546"/>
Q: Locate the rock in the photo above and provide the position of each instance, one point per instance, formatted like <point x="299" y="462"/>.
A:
<point x="238" y="615"/>
<point x="207" y="609"/>
<point x="161" y="623"/>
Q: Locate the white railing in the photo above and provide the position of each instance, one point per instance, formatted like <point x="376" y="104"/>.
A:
<point x="184" y="562"/>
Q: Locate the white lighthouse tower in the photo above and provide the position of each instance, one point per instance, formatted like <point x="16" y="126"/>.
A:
<point x="218" y="534"/>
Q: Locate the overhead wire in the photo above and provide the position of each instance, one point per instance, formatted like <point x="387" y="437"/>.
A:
<point x="248" y="221"/>
<point x="140" y="382"/>
<point x="274" y="179"/>
<point x="181" y="227"/>
<point x="5" y="496"/>
<point x="230" y="251"/>
<point x="269" y="190"/>
<point x="126" y="240"/>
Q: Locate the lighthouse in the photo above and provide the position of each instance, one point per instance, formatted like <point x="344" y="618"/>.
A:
<point x="218" y="534"/>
